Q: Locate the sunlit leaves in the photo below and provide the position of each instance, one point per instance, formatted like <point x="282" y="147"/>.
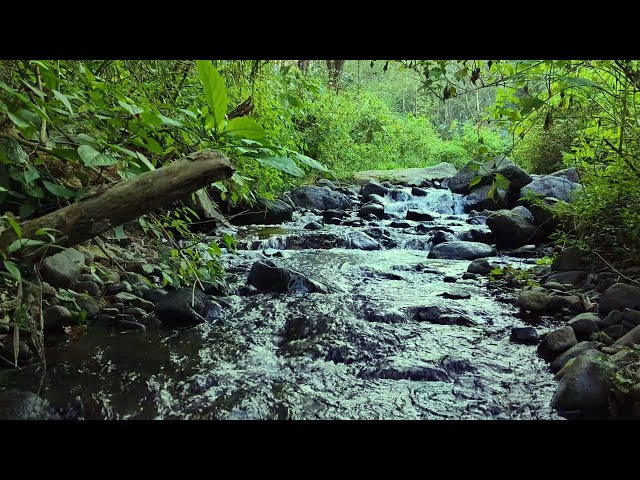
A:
<point x="215" y="90"/>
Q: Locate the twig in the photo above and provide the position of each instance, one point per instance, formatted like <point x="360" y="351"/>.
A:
<point x="614" y="269"/>
<point x="104" y="250"/>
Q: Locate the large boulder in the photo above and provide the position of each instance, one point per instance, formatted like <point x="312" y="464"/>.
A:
<point x="319" y="198"/>
<point x="373" y="188"/>
<point x="372" y="209"/>
<point x="556" y="342"/>
<point x="412" y="177"/>
<point x="267" y="276"/>
<point x="570" y="174"/>
<point x="63" y="268"/>
<point x="511" y="229"/>
<point x="458" y="250"/>
<point x="584" y="386"/>
<point x="569" y="259"/>
<point x="618" y="297"/>
<point x="185" y="307"/>
<point x="556" y="187"/>
<point x="479" y="199"/>
<point x="517" y="177"/>
<point x="573" y="352"/>
<point x="267" y="212"/>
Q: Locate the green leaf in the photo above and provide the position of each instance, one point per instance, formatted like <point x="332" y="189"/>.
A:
<point x="64" y="100"/>
<point x="13" y="269"/>
<point x="12" y="152"/>
<point x="475" y="181"/>
<point x="502" y="182"/>
<point x="170" y="121"/>
<point x="578" y="82"/>
<point x="215" y="90"/>
<point x="58" y="190"/>
<point x="146" y="161"/>
<point x="119" y="232"/>
<point x="67" y="153"/>
<point x="15" y="225"/>
<point x="284" y="164"/>
<point x="92" y="158"/>
<point x="229" y="241"/>
<point x="20" y="121"/>
<point x="132" y="109"/>
<point x="243" y="127"/>
<point x="311" y="162"/>
<point x="2" y="189"/>
<point x="24" y="242"/>
<point x="527" y="104"/>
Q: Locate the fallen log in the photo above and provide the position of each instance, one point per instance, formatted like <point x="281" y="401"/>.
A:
<point x="115" y="204"/>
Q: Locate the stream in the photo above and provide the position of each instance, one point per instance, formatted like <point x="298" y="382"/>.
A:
<point x="357" y="352"/>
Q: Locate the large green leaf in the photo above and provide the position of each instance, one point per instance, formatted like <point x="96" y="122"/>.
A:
<point x="475" y="181"/>
<point x="579" y="82"/>
<point x="12" y="152"/>
<point x="132" y="109"/>
<point x="24" y="242"/>
<point x="13" y="269"/>
<point x="92" y="158"/>
<point x="502" y="182"/>
<point x="311" y="162"/>
<point x="215" y="90"/>
<point x="67" y="153"/>
<point x="243" y="127"/>
<point x="284" y="164"/>
<point x="64" y="100"/>
<point x="58" y="190"/>
<point x="170" y="121"/>
<point x="527" y="104"/>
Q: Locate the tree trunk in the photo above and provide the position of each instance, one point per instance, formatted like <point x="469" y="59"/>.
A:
<point x="121" y="202"/>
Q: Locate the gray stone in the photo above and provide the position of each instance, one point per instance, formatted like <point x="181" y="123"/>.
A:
<point x="419" y="192"/>
<point x="573" y="352"/>
<point x="321" y="198"/>
<point x="62" y="269"/>
<point x="419" y="216"/>
<point x="89" y="287"/>
<point x="266" y="212"/>
<point x="524" y="212"/>
<point x="583" y="325"/>
<point x="584" y="386"/>
<point x="554" y="286"/>
<point x="458" y="250"/>
<point x="372" y="209"/>
<point x="593" y="317"/>
<point x="428" y="314"/>
<point x="22" y="405"/>
<point x="569" y="259"/>
<point x="556" y="342"/>
<point x="480" y="198"/>
<point x="572" y="277"/>
<point x="511" y="229"/>
<point x="555" y="187"/>
<point x="313" y="226"/>
<point x="613" y="318"/>
<point x="517" y="177"/>
<point x="135" y="311"/>
<point x="56" y="318"/>
<point x="572" y="303"/>
<point x="324" y="182"/>
<point x="88" y="305"/>
<point x="533" y="300"/>
<point x="185" y="307"/>
<point x="614" y="331"/>
<point x="373" y="188"/>
<point x="481" y="266"/>
<point x="570" y="174"/>
<point x="135" y="301"/>
<point x="631" y="316"/>
<point x="524" y="335"/>
<point x="413" y="177"/>
<point x="267" y="276"/>
<point x="618" y="297"/>
<point x="477" y="235"/>
<point x="629" y="339"/>
<point x="440" y="236"/>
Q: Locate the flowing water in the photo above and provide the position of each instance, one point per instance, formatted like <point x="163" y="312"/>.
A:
<point x="354" y="353"/>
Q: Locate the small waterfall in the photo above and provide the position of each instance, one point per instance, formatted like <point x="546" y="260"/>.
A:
<point x="437" y="200"/>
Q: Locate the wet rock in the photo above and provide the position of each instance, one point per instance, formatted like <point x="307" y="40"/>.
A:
<point x="556" y="342"/>
<point x="618" y="297"/>
<point x="524" y="212"/>
<point x="403" y="369"/>
<point x="419" y="216"/>
<point x="400" y="195"/>
<point x="150" y="321"/>
<point x="535" y="300"/>
<point x="573" y="352"/>
<point x="596" y="319"/>
<point x="63" y="268"/>
<point x="129" y="324"/>
<point x="111" y="311"/>
<point x="267" y="276"/>
<point x="298" y="328"/>
<point x="477" y="220"/>
<point x="569" y="259"/>
<point x="526" y="251"/>
<point x="477" y="235"/>
<point x="571" y="303"/>
<point x="584" y="387"/>
<point x="555" y="187"/>
<point x="22" y="405"/>
<point x="570" y="174"/>
<point x="629" y="339"/>
<point x="422" y="228"/>
<point x="517" y="177"/>
<point x="4" y="329"/>
<point x="324" y="182"/>
<point x="267" y="212"/>
<point x="459" y="250"/>
<point x="118" y="287"/>
<point x="440" y="236"/>
<point x="135" y="301"/>
<point x="455" y="294"/>
<point x="135" y="312"/>
<point x="419" y="192"/>
<point x="373" y="198"/>
<point x="313" y="226"/>
<point x="614" y="331"/>
<point x="89" y="287"/>
<point x="24" y="352"/>
<point x="480" y="198"/>
<point x="524" y="335"/>
<point x="373" y="187"/>
<point x="511" y="229"/>
<point x="56" y="318"/>
<point x="400" y="224"/>
<point x="185" y="307"/>
<point x="554" y="286"/>
<point x="450" y="279"/>
<point x="469" y="276"/>
<point x="428" y="314"/>
<point x="329" y="214"/>
<point x="321" y="198"/>
<point x="372" y="209"/>
<point x="481" y="266"/>
<point x="583" y="326"/>
<point x="631" y="316"/>
<point x="87" y="277"/>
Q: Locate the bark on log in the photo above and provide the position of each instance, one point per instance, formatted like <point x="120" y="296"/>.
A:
<point x="122" y="202"/>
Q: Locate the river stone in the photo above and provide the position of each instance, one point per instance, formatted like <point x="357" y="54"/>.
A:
<point x="22" y="405"/>
<point x="459" y="250"/>
<point x="55" y="318"/>
<point x="533" y="300"/>
<point x="373" y="188"/>
<point x="511" y="229"/>
<point x="554" y="286"/>
<point x="399" y="195"/>
<point x="419" y="216"/>
<point x="455" y="294"/>
<point x="571" y="302"/>
<point x="517" y="177"/>
<point x="573" y="352"/>
<point x="631" y="316"/>
<point x="321" y="198"/>
<point x="571" y="277"/>
<point x="629" y="339"/>
<point x="266" y="212"/>
<point x="614" y="331"/>
<point x="325" y="240"/>
<point x="428" y="314"/>
<point x="175" y="309"/>
<point x="412" y="177"/>
<point x="89" y="287"/>
<point x="618" y="297"/>
<point x="481" y="266"/>
<point x="313" y="226"/>
<point x="325" y="182"/>
<point x="440" y="236"/>
<point x="593" y="317"/>
<point x="614" y="318"/>
<point x="400" y="224"/>
<point x="62" y="269"/>
<point x="524" y="335"/>
<point x="556" y="342"/>
<point x="419" y="192"/>
<point x="569" y="259"/>
<point x="570" y="174"/>
<point x="555" y="187"/>
<point x="583" y="325"/>
<point x="404" y="369"/>
<point x="479" y="198"/>
<point x="524" y="212"/>
<point x="583" y="387"/>
<point x="372" y="209"/>
<point x="267" y="276"/>
<point x="477" y="235"/>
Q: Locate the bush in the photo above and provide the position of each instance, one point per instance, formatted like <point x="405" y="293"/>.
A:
<point x="542" y="151"/>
